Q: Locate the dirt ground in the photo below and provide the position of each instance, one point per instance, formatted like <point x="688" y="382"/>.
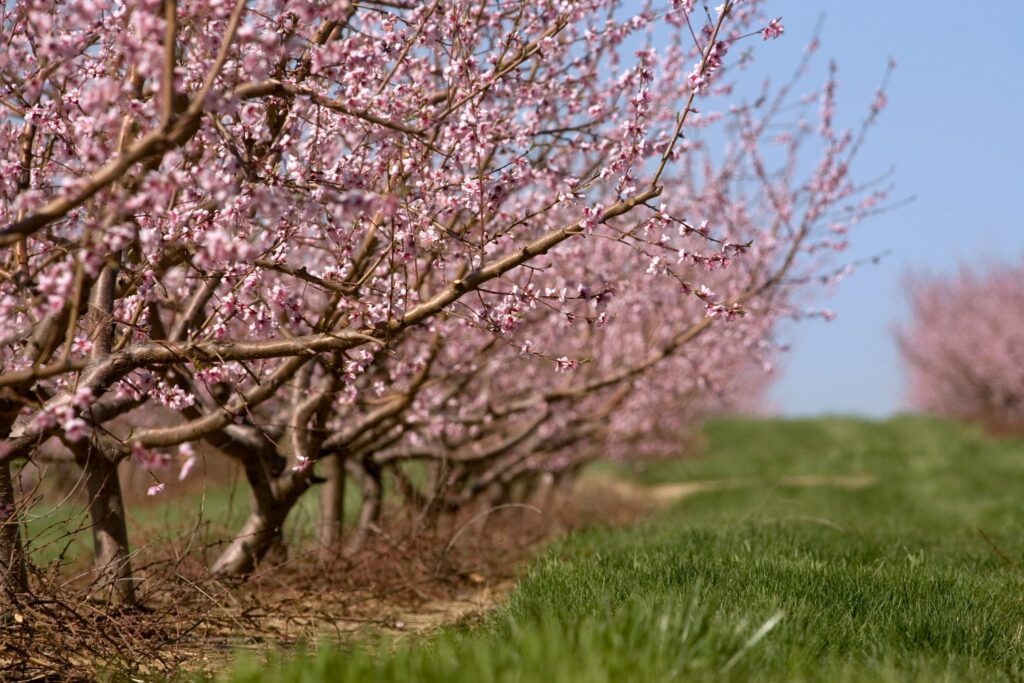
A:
<point x="666" y="494"/>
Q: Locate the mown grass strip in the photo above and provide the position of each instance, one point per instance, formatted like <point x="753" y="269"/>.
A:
<point x="899" y="580"/>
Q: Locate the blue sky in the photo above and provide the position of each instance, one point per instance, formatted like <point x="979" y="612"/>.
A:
<point x="954" y="131"/>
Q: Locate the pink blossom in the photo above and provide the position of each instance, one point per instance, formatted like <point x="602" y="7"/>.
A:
<point x="564" y="364"/>
<point x="189" y="459"/>
<point x="186" y="467"/>
<point x="773" y="30"/>
<point x="148" y="459"/>
<point x="879" y="103"/>
<point x="75" y="429"/>
<point x="591" y="218"/>
<point x="82" y="398"/>
<point x="81" y="345"/>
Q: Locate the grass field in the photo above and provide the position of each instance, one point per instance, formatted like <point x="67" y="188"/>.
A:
<point x="914" y="574"/>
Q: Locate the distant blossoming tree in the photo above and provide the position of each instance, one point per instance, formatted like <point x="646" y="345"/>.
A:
<point x="962" y="343"/>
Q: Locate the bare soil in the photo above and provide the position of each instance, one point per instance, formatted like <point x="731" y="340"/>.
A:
<point x="665" y="494"/>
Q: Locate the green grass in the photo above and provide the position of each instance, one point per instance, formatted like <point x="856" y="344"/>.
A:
<point x="58" y="529"/>
<point x="766" y="581"/>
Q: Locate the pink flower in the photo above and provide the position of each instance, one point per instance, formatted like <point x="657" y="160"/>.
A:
<point x="81" y="345"/>
<point x="75" y="429"/>
<point x="155" y="489"/>
<point x="186" y="451"/>
<point x="186" y="467"/>
<point x="564" y="364"/>
<point x="773" y="30"/>
<point x="880" y="101"/>
<point x="147" y="459"/>
<point x="83" y="398"/>
<point x="591" y="218"/>
<point x="696" y="80"/>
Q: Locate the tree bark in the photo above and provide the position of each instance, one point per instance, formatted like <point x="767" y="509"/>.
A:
<point x="114" y="583"/>
<point x="332" y="504"/>
<point x="272" y="500"/>
<point x="369" y="511"/>
<point x="251" y="544"/>
<point x="13" y="575"/>
<point x="541" y="493"/>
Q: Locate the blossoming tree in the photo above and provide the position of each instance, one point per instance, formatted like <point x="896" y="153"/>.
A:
<point x="334" y="237"/>
<point x="961" y="345"/>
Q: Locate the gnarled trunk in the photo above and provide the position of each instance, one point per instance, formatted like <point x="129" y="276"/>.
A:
<point x="272" y="500"/>
<point x="254" y="540"/>
<point x="114" y="582"/>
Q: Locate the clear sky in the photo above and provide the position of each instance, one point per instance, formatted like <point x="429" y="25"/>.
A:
<point x="954" y="131"/>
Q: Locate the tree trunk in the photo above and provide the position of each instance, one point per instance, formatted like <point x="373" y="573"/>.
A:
<point x="369" y="511"/>
<point x="114" y="581"/>
<point x="332" y="504"/>
<point x="250" y="545"/>
<point x="272" y="500"/>
<point x="542" y="491"/>
<point x="13" y="576"/>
